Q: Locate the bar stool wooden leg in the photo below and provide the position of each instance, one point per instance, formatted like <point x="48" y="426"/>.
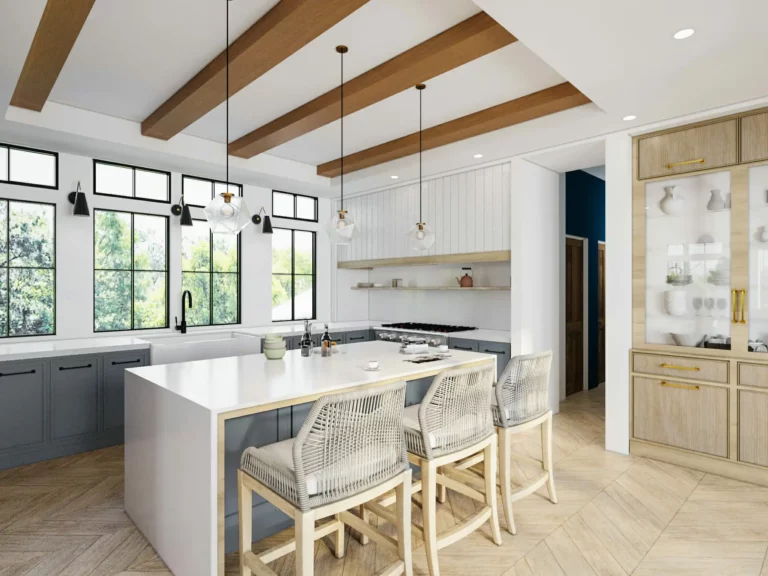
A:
<point x="245" y="518"/>
<point x="505" y="477"/>
<point x="339" y="539"/>
<point x="491" y="455"/>
<point x="442" y="491"/>
<point x="429" y="514"/>
<point x="546" y="447"/>
<point x="305" y="543"/>
<point x="403" y="511"/>
<point x="362" y="538"/>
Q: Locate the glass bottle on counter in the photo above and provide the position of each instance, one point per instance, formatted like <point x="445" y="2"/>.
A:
<point x="306" y="340"/>
<point x="325" y="343"/>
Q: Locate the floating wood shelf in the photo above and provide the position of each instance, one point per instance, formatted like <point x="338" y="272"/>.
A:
<point x="468" y="258"/>
<point x="452" y="288"/>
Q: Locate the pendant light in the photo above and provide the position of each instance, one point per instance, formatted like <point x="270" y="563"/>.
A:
<point x="227" y="212"/>
<point x="420" y="237"/>
<point x="341" y="227"/>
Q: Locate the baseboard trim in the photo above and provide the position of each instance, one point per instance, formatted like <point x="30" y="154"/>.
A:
<point x="61" y="448"/>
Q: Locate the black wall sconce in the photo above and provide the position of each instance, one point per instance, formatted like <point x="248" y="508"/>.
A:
<point x="182" y="210"/>
<point x="267" y="222"/>
<point x="78" y="199"/>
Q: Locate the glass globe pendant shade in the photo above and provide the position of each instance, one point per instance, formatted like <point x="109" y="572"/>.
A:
<point x="421" y="237"/>
<point x="227" y="214"/>
<point x="341" y="228"/>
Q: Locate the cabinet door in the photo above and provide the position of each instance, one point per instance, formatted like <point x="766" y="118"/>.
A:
<point x="22" y="404"/>
<point x="754" y="137"/>
<point x="463" y="344"/>
<point x="114" y="385"/>
<point x="694" y="417"/>
<point x="74" y="397"/>
<point x="752" y="304"/>
<point x="753" y="432"/>
<point x="502" y="352"/>
<point x="299" y="415"/>
<point x="357" y="336"/>
<point x="689" y="150"/>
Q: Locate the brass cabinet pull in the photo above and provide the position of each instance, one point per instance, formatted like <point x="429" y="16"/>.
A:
<point x="743" y="306"/>
<point x="697" y="161"/>
<point x="734" y="306"/>
<point x="682" y="386"/>
<point x="674" y="367"/>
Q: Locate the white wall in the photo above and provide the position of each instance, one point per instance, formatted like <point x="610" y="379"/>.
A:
<point x="537" y="259"/>
<point x="74" y="250"/>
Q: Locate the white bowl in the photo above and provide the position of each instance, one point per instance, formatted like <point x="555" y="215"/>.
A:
<point x="272" y="337"/>
<point x="274" y="345"/>
<point x="274" y="354"/>
<point x="688" y="340"/>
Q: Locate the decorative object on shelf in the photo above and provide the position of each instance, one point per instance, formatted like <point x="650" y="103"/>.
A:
<point x="420" y="237"/>
<point x="182" y="210"/>
<point x="698" y="302"/>
<point x="365" y="284"/>
<point x="341" y="227"/>
<point x="721" y="304"/>
<point x="679" y="276"/>
<point x="78" y="199"/>
<point x="672" y="204"/>
<point x="227" y="212"/>
<point x="466" y="279"/>
<point x="716" y="202"/>
<point x="675" y="302"/>
<point x="709" y="305"/>
<point x="687" y="340"/>
<point x="761" y="235"/>
<point x="718" y="342"/>
<point x="257" y="219"/>
<point x="757" y="346"/>
<point x="721" y="275"/>
<point x="397" y="282"/>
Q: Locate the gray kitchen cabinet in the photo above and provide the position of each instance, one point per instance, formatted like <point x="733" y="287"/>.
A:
<point x="22" y="405"/>
<point x="299" y="415"/>
<point x="357" y="336"/>
<point x="74" y="397"/>
<point x="114" y="385"/>
<point x="500" y="349"/>
<point x="415" y="390"/>
<point x="463" y="344"/>
<point x="292" y="342"/>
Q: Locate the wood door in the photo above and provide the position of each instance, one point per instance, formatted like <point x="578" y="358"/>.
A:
<point x="574" y="316"/>
<point x="600" y="313"/>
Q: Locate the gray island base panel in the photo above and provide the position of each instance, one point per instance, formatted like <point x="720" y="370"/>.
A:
<point x="260" y="430"/>
<point x="54" y="407"/>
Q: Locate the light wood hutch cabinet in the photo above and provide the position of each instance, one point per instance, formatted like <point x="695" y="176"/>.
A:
<point x="699" y="364"/>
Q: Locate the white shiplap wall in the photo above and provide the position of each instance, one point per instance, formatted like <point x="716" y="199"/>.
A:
<point x="469" y="212"/>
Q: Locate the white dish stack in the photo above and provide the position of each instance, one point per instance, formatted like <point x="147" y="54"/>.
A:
<point x="274" y="347"/>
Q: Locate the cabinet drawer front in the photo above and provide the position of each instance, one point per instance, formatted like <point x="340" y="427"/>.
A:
<point x="690" y="150"/>
<point x="464" y="344"/>
<point x="753" y="375"/>
<point x="753" y="433"/>
<point x="677" y="367"/>
<point x="754" y="137"/>
<point x="694" y="417"/>
<point x="356" y="336"/>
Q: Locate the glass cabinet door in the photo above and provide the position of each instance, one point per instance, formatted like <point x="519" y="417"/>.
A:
<point x="754" y="304"/>
<point x="688" y="261"/>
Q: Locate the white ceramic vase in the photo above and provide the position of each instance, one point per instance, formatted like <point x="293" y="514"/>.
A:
<point x="675" y="302"/>
<point x="672" y="204"/>
<point x="716" y="201"/>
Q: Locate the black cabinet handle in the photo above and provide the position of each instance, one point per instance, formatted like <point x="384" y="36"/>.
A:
<point x="494" y="352"/>
<point x="75" y="367"/>
<point x="126" y="362"/>
<point x="357" y="338"/>
<point x="467" y="348"/>
<point x="17" y="373"/>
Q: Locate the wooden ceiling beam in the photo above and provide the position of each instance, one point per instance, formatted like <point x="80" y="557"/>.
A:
<point x="56" y="34"/>
<point x="280" y="33"/>
<point x="468" y="40"/>
<point x="542" y="103"/>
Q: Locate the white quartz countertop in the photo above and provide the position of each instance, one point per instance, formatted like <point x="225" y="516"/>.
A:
<point x="227" y="384"/>
<point x="51" y="348"/>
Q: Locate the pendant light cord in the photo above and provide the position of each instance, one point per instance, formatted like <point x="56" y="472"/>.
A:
<point x="342" y="130"/>
<point x="420" y="186"/>
<point x="226" y="141"/>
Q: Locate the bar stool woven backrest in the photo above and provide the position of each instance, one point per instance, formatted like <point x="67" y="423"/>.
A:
<point x="522" y="392"/>
<point x="456" y="411"/>
<point x="350" y="442"/>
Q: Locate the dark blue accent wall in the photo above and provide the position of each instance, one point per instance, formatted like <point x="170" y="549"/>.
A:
<point x="585" y="217"/>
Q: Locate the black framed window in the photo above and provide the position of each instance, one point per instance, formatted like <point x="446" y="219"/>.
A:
<point x="29" y="167"/>
<point x="294" y="206"/>
<point x="27" y="268"/>
<point x="210" y="270"/>
<point x="293" y="275"/>
<point x="131" y="182"/>
<point x="200" y="191"/>
<point x="130" y="279"/>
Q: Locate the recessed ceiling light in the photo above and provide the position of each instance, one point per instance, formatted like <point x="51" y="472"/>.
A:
<point x="684" y="33"/>
<point x="630" y="117"/>
<point x="478" y="156"/>
<point x="394" y="177"/>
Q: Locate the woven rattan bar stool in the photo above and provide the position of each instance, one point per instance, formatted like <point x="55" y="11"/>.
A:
<point x="452" y="423"/>
<point x="350" y="450"/>
<point x="521" y="402"/>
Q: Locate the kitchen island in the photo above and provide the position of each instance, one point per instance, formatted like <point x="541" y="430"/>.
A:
<point x="186" y="425"/>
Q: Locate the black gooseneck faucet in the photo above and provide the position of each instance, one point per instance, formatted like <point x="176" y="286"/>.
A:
<point x="183" y="325"/>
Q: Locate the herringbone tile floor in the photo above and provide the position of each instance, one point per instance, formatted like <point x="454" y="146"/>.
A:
<point x="617" y="515"/>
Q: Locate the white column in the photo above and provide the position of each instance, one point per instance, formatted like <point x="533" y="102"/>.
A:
<point x="618" y="289"/>
<point x="537" y="257"/>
